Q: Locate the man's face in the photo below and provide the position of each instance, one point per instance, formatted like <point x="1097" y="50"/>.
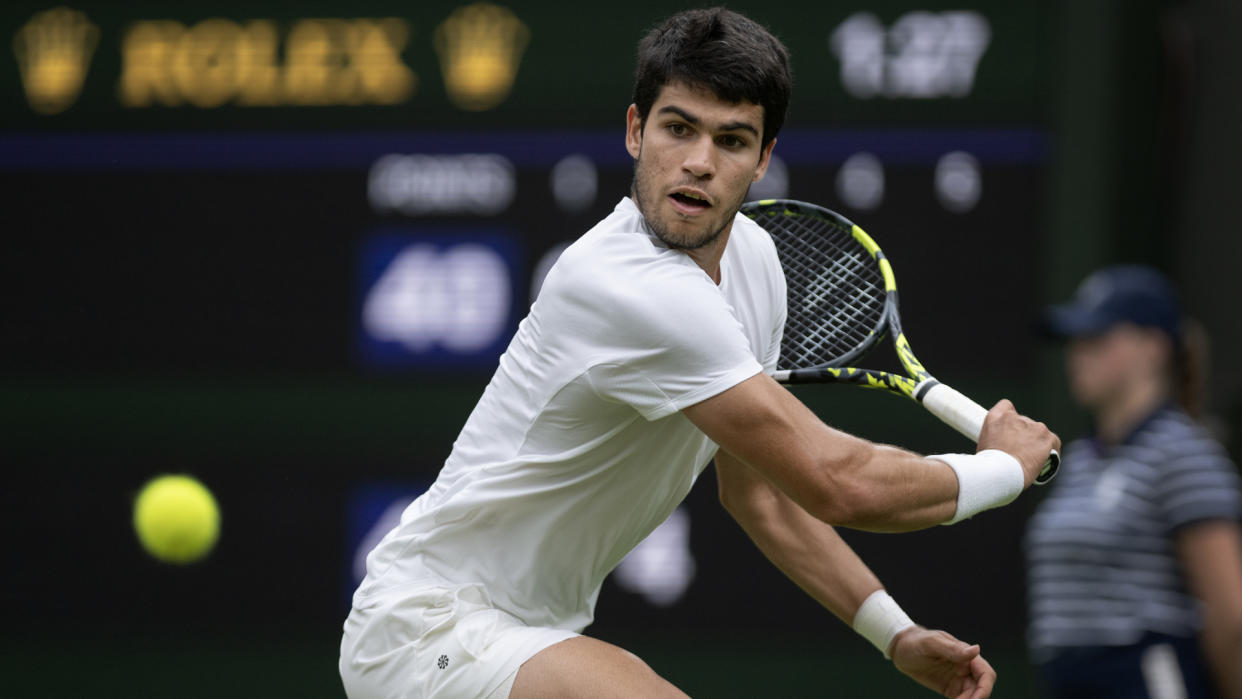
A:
<point x="696" y="156"/>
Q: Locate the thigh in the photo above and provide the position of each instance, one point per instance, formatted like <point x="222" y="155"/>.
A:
<point x="435" y="642"/>
<point x="586" y="667"/>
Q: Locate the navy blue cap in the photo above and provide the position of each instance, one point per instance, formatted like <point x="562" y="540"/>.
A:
<point x="1118" y="294"/>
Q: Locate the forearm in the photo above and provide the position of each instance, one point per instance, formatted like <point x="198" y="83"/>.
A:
<point x="1211" y="554"/>
<point x="838" y="478"/>
<point x="815" y="558"/>
<point x="810" y="553"/>
<point x="891" y="490"/>
<point x="894" y="490"/>
<point x="807" y="550"/>
<point x="851" y="482"/>
<point x="1223" y="647"/>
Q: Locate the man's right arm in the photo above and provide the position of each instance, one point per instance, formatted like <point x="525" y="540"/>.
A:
<point x="841" y="479"/>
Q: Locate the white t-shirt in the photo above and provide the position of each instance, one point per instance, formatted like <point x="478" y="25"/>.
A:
<point x="577" y="449"/>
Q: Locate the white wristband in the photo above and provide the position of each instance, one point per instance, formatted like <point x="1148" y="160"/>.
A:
<point x="985" y="480"/>
<point x="879" y="620"/>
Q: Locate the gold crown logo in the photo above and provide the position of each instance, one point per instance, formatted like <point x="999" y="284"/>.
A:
<point x="54" y="51"/>
<point x="480" y="47"/>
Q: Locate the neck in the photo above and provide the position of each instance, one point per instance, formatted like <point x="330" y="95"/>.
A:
<point x="708" y="257"/>
<point x="1117" y="419"/>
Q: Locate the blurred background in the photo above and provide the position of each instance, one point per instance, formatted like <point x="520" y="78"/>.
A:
<point x="279" y="246"/>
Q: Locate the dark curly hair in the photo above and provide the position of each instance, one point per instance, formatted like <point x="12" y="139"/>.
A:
<point x="722" y="51"/>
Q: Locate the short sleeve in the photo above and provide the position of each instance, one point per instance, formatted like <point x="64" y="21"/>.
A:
<point x="670" y="342"/>
<point x="778" y="331"/>
<point x="1199" y="483"/>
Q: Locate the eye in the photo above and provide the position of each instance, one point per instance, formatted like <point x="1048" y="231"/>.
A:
<point x="678" y="129"/>
<point x="731" y="141"/>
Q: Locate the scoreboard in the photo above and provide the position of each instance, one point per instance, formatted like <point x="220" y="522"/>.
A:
<point x="383" y="187"/>
<point x="376" y="64"/>
<point x="332" y="195"/>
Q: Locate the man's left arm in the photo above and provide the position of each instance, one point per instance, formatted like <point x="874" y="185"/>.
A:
<point x="815" y="557"/>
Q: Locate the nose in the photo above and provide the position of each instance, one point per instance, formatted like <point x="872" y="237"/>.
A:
<point x="700" y="160"/>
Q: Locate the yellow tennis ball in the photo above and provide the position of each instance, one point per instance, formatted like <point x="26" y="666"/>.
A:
<point x="176" y="519"/>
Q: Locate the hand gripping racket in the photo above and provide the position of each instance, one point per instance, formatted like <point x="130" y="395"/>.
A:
<point x="842" y="302"/>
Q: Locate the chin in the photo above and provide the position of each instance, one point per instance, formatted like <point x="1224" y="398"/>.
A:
<point x="676" y="231"/>
<point x="688" y="239"/>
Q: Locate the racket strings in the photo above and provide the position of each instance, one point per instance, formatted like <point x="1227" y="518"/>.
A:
<point x="836" y="291"/>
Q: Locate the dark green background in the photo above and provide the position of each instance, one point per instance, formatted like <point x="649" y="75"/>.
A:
<point x="1138" y="106"/>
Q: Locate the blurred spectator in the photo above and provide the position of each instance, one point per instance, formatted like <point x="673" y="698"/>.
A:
<point x="1134" y="560"/>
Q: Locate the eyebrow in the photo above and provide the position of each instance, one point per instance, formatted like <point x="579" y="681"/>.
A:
<point x="695" y="121"/>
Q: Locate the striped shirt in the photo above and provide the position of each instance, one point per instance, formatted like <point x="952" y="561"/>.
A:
<point x="1102" y="566"/>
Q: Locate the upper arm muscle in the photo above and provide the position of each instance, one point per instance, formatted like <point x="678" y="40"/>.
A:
<point x="763" y="425"/>
<point x="1212" y="555"/>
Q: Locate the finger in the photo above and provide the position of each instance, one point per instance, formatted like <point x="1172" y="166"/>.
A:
<point x="985" y="678"/>
<point x="952" y="649"/>
<point x="963" y="688"/>
<point x="966" y="653"/>
<point x="1003" y="405"/>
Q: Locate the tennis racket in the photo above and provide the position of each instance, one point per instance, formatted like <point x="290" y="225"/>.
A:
<point x="842" y="303"/>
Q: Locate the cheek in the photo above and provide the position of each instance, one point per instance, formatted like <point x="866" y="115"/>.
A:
<point x="742" y="165"/>
<point x="655" y="157"/>
<point x="1086" y="365"/>
<point x="1087" y="382"/>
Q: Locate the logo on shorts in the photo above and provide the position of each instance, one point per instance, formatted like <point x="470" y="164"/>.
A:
<point x="442" y="662"/>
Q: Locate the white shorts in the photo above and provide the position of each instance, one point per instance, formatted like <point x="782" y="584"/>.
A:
<point x="433" y="640"/>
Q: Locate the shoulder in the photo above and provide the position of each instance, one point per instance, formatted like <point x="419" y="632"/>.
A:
<point x="753" y="257"/>
<point x="1181" y="439"/>
<point x="1197" y="479"/>
<point x="1190" y="459"/>
<point x="754" y="242"/>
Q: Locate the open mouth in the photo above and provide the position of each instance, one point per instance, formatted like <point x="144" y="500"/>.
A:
<point x="690" y="201"/>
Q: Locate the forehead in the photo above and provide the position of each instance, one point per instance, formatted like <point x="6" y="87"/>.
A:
<point x="707" y="105"/>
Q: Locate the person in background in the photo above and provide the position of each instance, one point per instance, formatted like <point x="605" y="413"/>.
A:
<point x="1134" y="559"/>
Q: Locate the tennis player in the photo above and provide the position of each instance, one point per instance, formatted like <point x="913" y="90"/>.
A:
<point x="643" y="359"/>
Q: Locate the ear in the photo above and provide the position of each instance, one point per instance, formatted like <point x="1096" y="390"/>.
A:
<point x="633" y="131"/>
<point x="764" y="158"/>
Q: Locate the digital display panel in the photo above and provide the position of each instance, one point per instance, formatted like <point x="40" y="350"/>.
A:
<point x="435" y="299"/>
<point x="492" y="65"/>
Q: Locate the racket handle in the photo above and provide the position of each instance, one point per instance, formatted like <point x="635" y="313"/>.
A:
<point x="967" y="416"/>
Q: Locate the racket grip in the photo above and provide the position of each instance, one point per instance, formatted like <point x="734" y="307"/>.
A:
<point x="966" y="416"/>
